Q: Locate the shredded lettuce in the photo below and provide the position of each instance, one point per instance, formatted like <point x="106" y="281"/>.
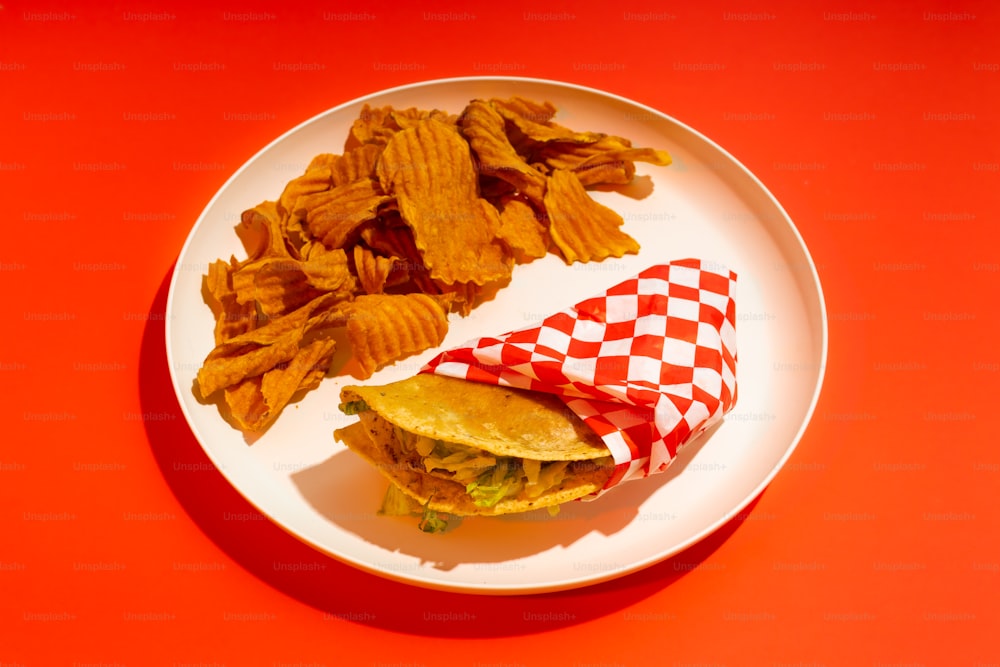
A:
<point x="397" y="503"/>
<point x="353" y="407"/>
<point x="488" y="479"/>
<point x="465" y="463"/>
<point x="495" y="484"/>
<point x="550" y="475"/>
<point x="433" y="522"/>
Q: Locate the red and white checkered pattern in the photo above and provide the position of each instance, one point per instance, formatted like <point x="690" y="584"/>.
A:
<point x="648" y="365"/>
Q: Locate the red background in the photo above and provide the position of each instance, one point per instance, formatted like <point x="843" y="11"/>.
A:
<point x="875" y="124"/>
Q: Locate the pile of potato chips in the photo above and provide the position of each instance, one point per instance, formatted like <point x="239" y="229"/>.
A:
<point x="424" y="213"/>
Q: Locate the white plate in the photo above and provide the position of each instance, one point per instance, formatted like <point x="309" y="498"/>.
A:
<point x="704" y="205"/>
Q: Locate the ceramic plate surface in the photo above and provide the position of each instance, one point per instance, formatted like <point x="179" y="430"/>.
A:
<point x="704" y="205"/>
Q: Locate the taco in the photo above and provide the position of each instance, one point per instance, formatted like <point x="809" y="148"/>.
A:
<point x="468" y="448"/>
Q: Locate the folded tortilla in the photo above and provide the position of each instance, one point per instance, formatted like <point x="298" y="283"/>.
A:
<point x="470" y="448"/>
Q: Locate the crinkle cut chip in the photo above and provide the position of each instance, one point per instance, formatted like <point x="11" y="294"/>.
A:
<point x="333" y="216"/>
<point x="522" y="230"/>
<point x="581" y="228"/>
<point x="232" y="318"/>
<point x="261" y="349"/>
<point x="428" y="169"/>
<point x="372" y="270"/>
<point x="383" y="328"/>
<point x="483" y="127"/>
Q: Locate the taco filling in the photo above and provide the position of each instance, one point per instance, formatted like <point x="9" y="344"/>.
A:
<point x="487" y="478"/>
<point x="470" y="448"/>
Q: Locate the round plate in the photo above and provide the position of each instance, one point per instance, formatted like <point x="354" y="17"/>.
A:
<point x="704" y="205"/>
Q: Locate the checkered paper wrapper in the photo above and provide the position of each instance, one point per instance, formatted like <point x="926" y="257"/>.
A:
<point x="649" y="365"/>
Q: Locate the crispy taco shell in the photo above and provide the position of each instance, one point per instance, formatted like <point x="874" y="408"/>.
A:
<point x="500" y="421"/>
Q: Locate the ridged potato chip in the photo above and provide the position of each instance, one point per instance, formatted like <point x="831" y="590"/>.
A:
<point x="355" y="164"/>
<point x="394" y="239"/>
<point x="316" y="179"/>
<point x="483" y="127"/>
<point x="534" y="121"/>
<point x="262" y="233"/>
<point x="610" y="160"/>
<point x="372" y="126"/>
<point x="581" y="228"/>
<point x="322" y="160"/>
<point x="259" y="350"/>
<point x="405" y="118"/>
<point x="372" y="270"/>
<point x="304" y="372"/>
<point x="383" y="328"/>
<point x="281" y="286"/>
<point x="327" y="270"/>
<point x="378" y="125"/>
<point x="521" y="229"/>
<point x="428" y="169"/>
<point x="232" y="318"/>
<point x="255" y="402"/>
<point x="333" y="215"/>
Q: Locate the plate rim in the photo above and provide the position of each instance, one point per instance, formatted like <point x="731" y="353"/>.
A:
<point x="811" y="278"/>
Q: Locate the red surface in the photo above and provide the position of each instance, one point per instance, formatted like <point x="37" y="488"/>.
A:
<point x="876" y="127"/>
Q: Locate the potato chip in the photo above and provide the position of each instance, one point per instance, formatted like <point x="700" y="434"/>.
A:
<point x="217" y="287"/>
<point x="232" y="318"/>
<point x="280" y="286"/>
<point x="378" y="125"/>
<point x="462" y="298"/>
<point x="406" y="118"/>
<point x="318" y="179"/>
<point x="483" y="127"/>
<point x="279" y="385"/>
<point x="581" y="228"/>
<point x="327" y="269"/>
<point x="428" y="169"/>
<point x="611" y="172"/>
<point x="610" y="160"/>
<point x="355" y="164"/>
<point x="372" y="270"/>
<point x="322" y="160"/>
<point x="332" y="216"/>
<point x="534" y="121"/>
<point x="391" y="237"/>
<point x="255" y="402"/>
<point x="370" y="127"/>
<point x="521" y="229"/>
<point x="261" y="231"/>
<point x="245" y="402"/>
<point x="304" y="372"/>
<point x="383" y="328"/>
<point x="651" y="155"/>
<point x="258" y="350"/>
<point x="520" y="109"/>
<point x="234" y="361"/>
